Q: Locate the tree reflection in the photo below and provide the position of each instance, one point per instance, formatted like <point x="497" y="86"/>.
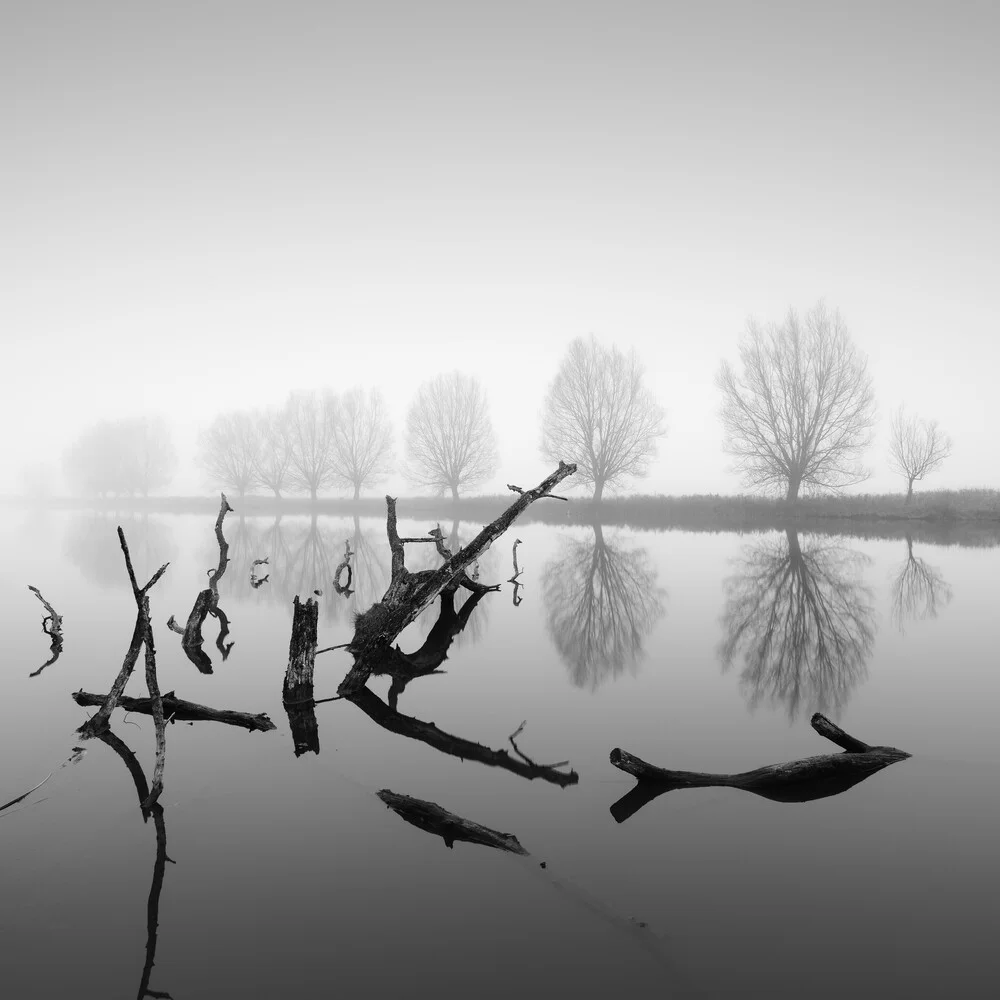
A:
<point x="803" y="620"/>
<point x="601" y="601"/>
<point x="90" y="544"/>
<point x="918" y="591"/>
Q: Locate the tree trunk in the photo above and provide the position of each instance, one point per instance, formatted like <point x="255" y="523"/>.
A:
<point x="454" y="491"/>
<point x="312" y="494"/>
<point x="297" y="690"/>
<point x="598" y="491"/>
<point x="909" y="489"/>
<point x="794" y="481"/>
<point x="357" y="490"/>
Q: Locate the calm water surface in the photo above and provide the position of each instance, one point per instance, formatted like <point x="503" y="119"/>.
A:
<point x="287" y="876"/>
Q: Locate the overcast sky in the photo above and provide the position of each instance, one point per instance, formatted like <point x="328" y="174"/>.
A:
<point x="207" y="204"/>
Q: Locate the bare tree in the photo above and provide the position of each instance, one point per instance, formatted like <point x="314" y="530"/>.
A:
<point x="362" y="440"/>
<point x="450" y="442"/>
<point x="599" y="414"/>
<point x="802" y="411"/>
<point x="274" y="462"/>
<point x="128" y="456"/>
<point x="229" y="451"/>
<point x="916" y="447"/>
<point x="312" y="417"/>
<point x="151" y="459"/>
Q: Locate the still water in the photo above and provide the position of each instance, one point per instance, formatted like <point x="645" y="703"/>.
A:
<point x="271" y="874"/>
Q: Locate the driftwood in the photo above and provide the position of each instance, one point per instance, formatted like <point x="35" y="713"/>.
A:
<point x="426" y="732"/>
<point x="52" y="627"/>
<point x="550" y="496"/>
<point x="409" y="594"/>
<point x="297" y="690"/>
<point x="434" y="819"/>
<point x="207" y="603"/>
<point x="178" y="710"/>
<point x="515" y="579"/>
<point x="344" y="589"/>
<point x="792" y="781"/>
<point x="258" y="581"/>
<point x="142" y="631"/>
<point x="159" y="865"/>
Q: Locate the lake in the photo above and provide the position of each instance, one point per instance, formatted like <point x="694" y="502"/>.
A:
<point x="271" y="873"/>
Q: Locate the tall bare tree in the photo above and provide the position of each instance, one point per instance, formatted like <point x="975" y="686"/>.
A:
<point x="801" y="412"/>
<point x="128" y="456"/>
<point x="151" y="459"/>
<point x="916" y="447"/>
<point x="599" y="414"/>
<point x="362" y="440"/>
<point x="450" y="443"/>
<point x="229" y="451"/>
<point x="312" y="417"/>
<point x="274" y="462"/>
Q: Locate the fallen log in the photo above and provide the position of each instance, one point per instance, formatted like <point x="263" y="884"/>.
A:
<point x="409" y="594"/>
<point x="178" y="710"/>
<point x="52" y="627"/>
<point x="297" y="689"/>
<point x="792" y="781"/>
<point x="432" y="818"/>
<point x="455" y="746"/>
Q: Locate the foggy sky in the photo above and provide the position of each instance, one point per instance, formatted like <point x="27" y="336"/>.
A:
<point x="208" y="204"/>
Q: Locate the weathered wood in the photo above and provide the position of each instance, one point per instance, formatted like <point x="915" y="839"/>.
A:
<point x="432" y="818"/>
<point x="98" y="722"/>
<point x="410" y="593"/>
<point x="344" y="589"/>
<point x="297" y="690"/>
<point x="52" y="627"/>
<point x="426" y="732"/>
<point x="791" y="781"/>
<point x="178" y="710"/>
<point x="258" y="581"/>
<point x="156" y="710"/>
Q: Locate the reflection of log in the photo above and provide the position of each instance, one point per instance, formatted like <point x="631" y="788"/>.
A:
<point x="410" y="593"/>
<point x="792" y="781"/>
<point x="52" y="627"/>
<point x="431" y="817"/>
<point x="297" y="690"/>
<point x="159" y="865"/>
<point x="179" y="710"/>
<point x="142" y="631"/>
<point x="426" y="732"/>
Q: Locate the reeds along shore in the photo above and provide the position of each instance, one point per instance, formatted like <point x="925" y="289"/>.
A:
<point x="962" y="517"/>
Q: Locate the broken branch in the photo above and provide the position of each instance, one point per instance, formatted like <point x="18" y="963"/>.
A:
<point x="52" y="627"/>
<point x="179" y="710"/>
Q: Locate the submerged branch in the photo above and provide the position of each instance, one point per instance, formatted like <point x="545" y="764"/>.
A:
<point x="434" y="819"/>
<point x="52" y="627"/>
<point x="792" y="781"/>
<point x="178" y="710"/>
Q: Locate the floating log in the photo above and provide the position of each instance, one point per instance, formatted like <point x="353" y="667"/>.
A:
<point x="297" y="690"/>
<point x="792" y="781"/>
<point x="409" y="594"/>
<point x="178" y="710"/>
<point x="434" y="819"/>
<point x="52" y="627"/>
<point x="426" y="732"/>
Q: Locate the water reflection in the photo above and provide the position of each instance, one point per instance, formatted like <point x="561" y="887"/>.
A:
<point x="803" y="621"/>
<point x="91" y="544"/>
<point x="601" y="602"/>
<point x="918" y="591"/>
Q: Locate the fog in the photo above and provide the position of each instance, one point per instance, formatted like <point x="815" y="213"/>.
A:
<point x="210" y="205"/>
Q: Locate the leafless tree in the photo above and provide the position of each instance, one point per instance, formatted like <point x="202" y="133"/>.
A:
<point x="274" y="461"/>
<point x="126" y="456"/>
<point x="450" y="442"/>
<point x="229" y="451"/>
<point x="599" y="414"/>
<point x="312" y="417"/>
<point x="802" y="411"/>
<point x="916" y="447"/>
<point x="362" y="441"/>
<point x="803" y="620"/>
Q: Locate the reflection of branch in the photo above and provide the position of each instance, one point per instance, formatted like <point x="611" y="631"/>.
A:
<point x="52" y="627"/>
<point x="803" y="619"/>
<point x="431" y="817"/>
<point x="179" y="710"/>
<point x="455" y="746"/>
<point x="793" y="781"/>
<point x="601" y="600"/>
<point x="517" y="572"/>
<point x="918" y="590"/>
<point x="513" y="737"/>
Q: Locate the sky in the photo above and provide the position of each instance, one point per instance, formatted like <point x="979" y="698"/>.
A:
<point x="208" y="204"/>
